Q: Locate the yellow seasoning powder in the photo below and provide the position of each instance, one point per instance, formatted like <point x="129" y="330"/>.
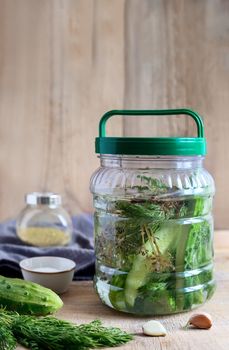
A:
<point x="44" y="236"/>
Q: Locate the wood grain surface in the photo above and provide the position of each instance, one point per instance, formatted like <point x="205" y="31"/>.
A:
<point x="81" y="305"/>
<point x="63" y="63"/>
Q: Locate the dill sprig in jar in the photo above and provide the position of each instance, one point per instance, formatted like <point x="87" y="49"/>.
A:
<point x="44" y="222"/>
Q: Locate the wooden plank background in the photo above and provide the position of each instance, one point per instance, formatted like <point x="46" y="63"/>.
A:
<point x="63" y="63"/>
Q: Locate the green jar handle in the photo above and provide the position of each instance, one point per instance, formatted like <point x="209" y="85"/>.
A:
<point x="193" y="114"/>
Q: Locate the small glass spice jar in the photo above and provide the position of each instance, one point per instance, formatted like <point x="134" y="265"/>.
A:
<point x="44" y="222"/>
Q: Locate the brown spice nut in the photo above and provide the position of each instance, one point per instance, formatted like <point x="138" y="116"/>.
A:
<point x="201" y="321"/>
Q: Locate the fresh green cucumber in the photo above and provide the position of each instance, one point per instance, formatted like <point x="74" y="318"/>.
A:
<point x="27" y="297"/>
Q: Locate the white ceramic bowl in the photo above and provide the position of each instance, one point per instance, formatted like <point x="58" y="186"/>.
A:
<point x="49" y="271"/>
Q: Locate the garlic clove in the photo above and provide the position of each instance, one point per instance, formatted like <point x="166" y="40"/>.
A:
<point x="202" y="321"/>
<point x="154" y="329"/>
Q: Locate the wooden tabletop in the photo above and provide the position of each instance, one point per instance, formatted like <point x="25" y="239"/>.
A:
<point x="81" y="305"/>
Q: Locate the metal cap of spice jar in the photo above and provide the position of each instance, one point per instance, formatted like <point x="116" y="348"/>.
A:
<point x="48" y="198"/>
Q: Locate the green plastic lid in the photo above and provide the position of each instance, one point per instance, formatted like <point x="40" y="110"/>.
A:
<point x="179" y="146"/>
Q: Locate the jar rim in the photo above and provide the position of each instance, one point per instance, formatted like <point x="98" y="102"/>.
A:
<point x="151" y="157"/>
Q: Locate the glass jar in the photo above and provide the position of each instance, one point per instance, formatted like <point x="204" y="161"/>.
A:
<point x="153" y="221"/>
<point x="44" y="222"/>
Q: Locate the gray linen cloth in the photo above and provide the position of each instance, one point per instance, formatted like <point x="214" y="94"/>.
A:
<point x="81" y="250"/>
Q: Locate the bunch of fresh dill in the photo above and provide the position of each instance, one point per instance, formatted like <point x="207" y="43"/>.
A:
<point x="7" y="339"/>
<point x="50" y="333"/>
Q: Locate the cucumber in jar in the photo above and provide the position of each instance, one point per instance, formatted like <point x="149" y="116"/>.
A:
<point x="154" y="256"/>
